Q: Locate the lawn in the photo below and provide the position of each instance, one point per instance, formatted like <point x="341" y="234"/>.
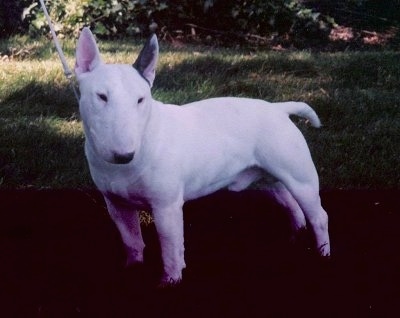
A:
<point x="356" y="94"/>
<point x="63" y="256"/>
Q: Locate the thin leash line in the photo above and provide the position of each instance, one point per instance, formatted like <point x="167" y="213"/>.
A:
<point x="67" y="71"/>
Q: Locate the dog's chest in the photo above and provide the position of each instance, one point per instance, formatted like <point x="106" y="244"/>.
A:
<point x="129" y="200"/>
<point x="123" y="190"/>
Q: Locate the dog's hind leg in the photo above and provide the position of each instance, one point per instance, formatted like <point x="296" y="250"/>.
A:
<point x="127" y="221"/>
<point x="307" y="196"/>
<point x="281" y="194"/>
<point x="292" y="165"/>
<point x="277" y="191"/>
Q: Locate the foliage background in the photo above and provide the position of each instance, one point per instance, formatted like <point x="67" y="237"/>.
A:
<point x="297" y="23"/>
<point x="121" y="18"/>
<point x="125" y="17"/>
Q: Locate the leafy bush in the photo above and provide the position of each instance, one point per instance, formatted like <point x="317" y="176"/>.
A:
<point x="106" y="18"/>
<point x="67" y="16"/>
<point x="133" y="17"/>
<point x="118" y="18"/>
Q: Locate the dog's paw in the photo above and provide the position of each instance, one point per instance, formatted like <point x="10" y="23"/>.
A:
<point x="169" y="282"/>
<point x="324" y="251"/>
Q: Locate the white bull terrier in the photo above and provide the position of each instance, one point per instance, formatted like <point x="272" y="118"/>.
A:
<point x="144" y="154"/>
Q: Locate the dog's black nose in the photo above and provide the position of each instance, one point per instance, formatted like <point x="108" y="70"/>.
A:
<point x="123" y="158"/>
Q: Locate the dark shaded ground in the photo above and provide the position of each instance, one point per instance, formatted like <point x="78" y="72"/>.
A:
<point x="60" y="256"/>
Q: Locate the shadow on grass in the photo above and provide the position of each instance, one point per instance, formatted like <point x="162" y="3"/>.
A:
<point x="63" y="257"/>
<point x="224" y="76"/>
<point x="41" y="99"/>
<point x="39" y="147"/>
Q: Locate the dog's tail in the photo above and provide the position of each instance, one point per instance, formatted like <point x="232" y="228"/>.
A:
<point x="303" y="110"/>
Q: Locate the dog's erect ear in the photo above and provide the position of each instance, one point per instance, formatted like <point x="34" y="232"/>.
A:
<point x="87" y="53"/>
<point x="147" y="60"/>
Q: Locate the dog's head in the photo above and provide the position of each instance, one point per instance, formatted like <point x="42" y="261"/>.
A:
<point x="115" y="99"/>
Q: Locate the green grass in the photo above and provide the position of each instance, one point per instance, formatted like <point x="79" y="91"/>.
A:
<point x="356" y="94"/>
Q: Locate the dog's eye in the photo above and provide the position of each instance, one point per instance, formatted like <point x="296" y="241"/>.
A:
<point x="103" y="97"/>
<point x="140" y="100"/>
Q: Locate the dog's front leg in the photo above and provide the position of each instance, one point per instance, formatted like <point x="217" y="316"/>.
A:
<point x="127" y="221"/>
<point x="169" y="225"/>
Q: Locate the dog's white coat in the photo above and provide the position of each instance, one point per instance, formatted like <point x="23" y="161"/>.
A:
<point x="182" y="153"/>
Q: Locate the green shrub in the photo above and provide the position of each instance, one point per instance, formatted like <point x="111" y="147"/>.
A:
<point x="120" y="18"/>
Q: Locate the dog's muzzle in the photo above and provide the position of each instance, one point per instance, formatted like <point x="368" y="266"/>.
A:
<point x="123" y="159"/>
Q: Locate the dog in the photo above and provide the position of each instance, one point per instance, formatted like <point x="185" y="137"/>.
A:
<point x="144" y="154"/>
